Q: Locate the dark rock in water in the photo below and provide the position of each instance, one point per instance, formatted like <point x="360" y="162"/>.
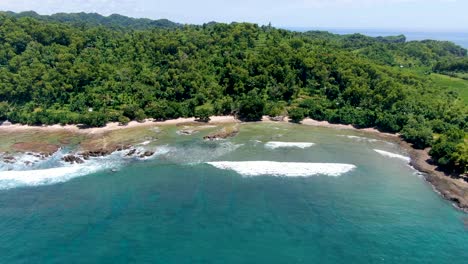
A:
<point x="72" y="159"/>
<point x="103" y="151"/>
<point x="147" y="154"/>
<point x="95" y="153"/>
<point x="9" y="159"/>
<point x="122" y="147"/>
<point x="131" y="153"/>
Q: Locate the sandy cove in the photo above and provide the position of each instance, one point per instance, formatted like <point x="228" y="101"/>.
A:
<point x="116" y="126"/>
<point x="449" y="186"/>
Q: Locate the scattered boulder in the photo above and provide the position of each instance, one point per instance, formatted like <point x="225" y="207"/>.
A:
<point x="131" y="153"/>
<point x="223" y="134"/>
<point x="147" y="154"/>
<point x="95" y="153"/>
<point x="9" y="159"/>
<point x="101" y="152"/>
<point x="72" y="159"/>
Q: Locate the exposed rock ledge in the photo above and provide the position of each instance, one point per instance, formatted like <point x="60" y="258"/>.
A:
<point x="101" y="152"/>
<point x="224" y="133"/>
<point x="451" y="187"/>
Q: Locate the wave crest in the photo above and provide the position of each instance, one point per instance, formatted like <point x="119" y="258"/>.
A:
<point x="278" y="144"/>
<point x="12" y="179"/>
<point x="288" y="169"/>
<point x="392" y="155"/>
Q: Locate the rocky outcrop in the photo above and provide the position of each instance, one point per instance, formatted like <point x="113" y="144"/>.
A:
<point x="72" y="159"/>
<point x="131" y="153"/>
<point x="147" y="154"/>
<point x="9" y="159"/>
<point x="101" y="152"/>
<point x="223" y="133"/>
<point x="451" y="187"/>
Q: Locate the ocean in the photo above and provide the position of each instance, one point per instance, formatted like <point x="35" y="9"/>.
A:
<point x="276" y="193"/>
<point x="459" y="38"/>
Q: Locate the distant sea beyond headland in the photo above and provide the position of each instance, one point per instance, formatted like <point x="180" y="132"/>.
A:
<point x="460" y="38"/>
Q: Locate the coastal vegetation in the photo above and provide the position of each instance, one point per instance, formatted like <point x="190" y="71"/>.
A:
<point x="67" y="69"/>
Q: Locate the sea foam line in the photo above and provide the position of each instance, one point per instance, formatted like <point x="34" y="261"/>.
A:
<point x="278" y="144"/>
<point x="288" y="169"/>
<point x="361" y="138"/>
<point x="65" y="172"/>
<point x="12" y="179"/>
<point x="392" y="155"/>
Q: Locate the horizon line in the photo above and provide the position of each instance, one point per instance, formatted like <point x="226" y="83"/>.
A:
<point x="287" y="27"/>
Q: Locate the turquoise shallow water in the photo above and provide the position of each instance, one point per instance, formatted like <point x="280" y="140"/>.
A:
<point x="177" y="209"/>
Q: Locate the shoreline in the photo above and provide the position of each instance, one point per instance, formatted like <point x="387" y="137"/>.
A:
<point x="451" y="189"/>
<point x="112" y="126"/>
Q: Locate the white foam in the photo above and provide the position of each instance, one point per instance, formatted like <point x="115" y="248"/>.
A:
<point x="362" y="138"/>
<point x="288" y="169"/>
<point x="144" y="143"/>
<point x="278" y="144"/>
<point x="392" y="155"/>
<point x="12" y="179"/>
<point x="61" y="172"/>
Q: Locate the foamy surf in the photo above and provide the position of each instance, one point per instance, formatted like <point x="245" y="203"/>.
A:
<point x="286" y="169"/>
<point x="278" y="144"/>
<point x="360" y="138"/>
<point x="62" y="172"/>
<point x="12" y="179"/>
<point x="392" y="155"/>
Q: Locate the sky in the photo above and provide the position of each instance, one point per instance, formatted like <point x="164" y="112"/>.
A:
<point x="430" y="15"/>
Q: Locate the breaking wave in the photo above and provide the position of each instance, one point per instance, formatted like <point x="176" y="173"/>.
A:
<point x="288" y="169"/>
<point x="23" y="178"/>
<point x="278" y="144"/>
<point x="392" y="155"/>
<point x="361" y="138"/>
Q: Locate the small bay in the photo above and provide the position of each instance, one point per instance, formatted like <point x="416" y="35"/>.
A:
<point x="177" y="208"/>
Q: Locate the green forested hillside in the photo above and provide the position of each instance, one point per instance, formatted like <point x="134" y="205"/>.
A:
<point x="54" y="72"/>
<point x="114" y="21"/>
